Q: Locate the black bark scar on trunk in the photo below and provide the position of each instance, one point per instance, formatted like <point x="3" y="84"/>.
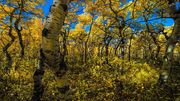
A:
<point x="45" y="32"/>
<point x="38" y="87"/>
<point x="42" y="58"/>
<point x="38" y="74"/>
<point x="65" y="7"/>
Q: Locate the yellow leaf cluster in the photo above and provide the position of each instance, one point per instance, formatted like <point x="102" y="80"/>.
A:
<point x="85" y="18"/>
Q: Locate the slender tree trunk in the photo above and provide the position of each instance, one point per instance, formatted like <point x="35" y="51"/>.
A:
<point x="16" y="25"/>
<point x="129" y="48"/>
<point x="171" y="42"/>
<point x="50" y="51"/>
<point x="86" y="42"/>
<point x="107" y="53"/>
<point x="107" y="41"/>
<point x="102" y="50"/>
<point x="123" y="47"/>
<point x="116" y="49"/>
<point x="85" y="52"/>
<point x="6" y="47"/>
<point x="173" y="39"/>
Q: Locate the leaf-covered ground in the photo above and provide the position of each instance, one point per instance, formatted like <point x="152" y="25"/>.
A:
<point x="94" y="81"/>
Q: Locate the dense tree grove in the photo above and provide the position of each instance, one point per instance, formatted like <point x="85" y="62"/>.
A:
<point x="90" y="50"/>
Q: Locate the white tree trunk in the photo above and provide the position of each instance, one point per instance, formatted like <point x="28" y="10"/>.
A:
<point x="50" y="51"/>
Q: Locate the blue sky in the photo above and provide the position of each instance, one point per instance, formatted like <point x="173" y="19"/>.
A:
<point x="46" y="7"/>
<point x="48" y="3"/>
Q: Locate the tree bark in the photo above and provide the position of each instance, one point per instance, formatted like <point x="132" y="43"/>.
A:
<point x="7" y="46"/>
<point x="116" y="48"/>
<point x="107" y="41"/>
<point x="50" y="50"/>
<point x="129" y="48"/>
<point x="171" y="42"/>
<point x="173" y="39"/>
<point x="123" y="47"/>
<point x="99" y="50"/>
<point x="16" y="25"/>
<point x="64" y="53"/>
<point x="87" y="40"/>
